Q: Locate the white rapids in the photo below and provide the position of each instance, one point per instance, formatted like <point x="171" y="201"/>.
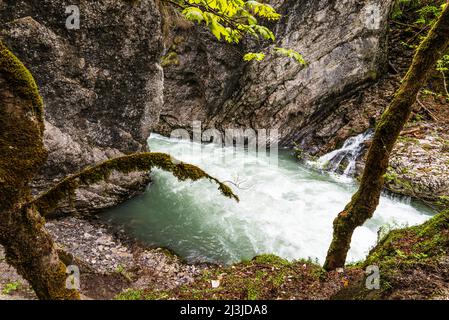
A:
<point x="285" y="208"/>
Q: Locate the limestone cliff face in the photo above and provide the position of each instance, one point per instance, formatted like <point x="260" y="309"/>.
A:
<point x="344" y="43"/>
<point x="102" y="85"/>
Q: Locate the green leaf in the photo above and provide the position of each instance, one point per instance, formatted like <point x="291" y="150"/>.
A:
<point x="193" y="14"/>
<point x="266" y="33"/>
<point x="254" y="56"/>
<point x="231" y="20"/>
<point x="291" y="54"/>
<point x="263" y="10"/>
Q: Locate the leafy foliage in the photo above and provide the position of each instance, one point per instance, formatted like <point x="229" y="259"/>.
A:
<point x="291" y="54"/>
<point x="427" y="10"/>
<point x="231" y="20"/>
<point x="443" y="64"/>
<point x="419" y="16"/>
<point x="254" y="56"/>
<point x="10" y="287"/>
<point x="428" y="14"/>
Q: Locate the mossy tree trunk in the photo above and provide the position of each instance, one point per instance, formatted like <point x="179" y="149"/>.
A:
<point x="365" y="200"/>
<point x="32" y="252"/>
<point x="28" y="246"/>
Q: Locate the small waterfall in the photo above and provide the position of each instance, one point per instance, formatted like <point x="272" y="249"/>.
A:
<point x="343" y="161"/>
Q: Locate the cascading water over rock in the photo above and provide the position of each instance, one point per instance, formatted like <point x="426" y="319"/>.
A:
<point x="343" y="161"/>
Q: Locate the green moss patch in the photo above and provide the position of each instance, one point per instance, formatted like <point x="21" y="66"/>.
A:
<point x="264" y="277"/>
<point x="415" y="244"/>
<point x="20" y="80"/>
<point x="411" y="263"/>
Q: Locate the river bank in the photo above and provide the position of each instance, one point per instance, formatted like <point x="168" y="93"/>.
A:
<point x="114" y="266"/>
<point x="414" y="264"/>
<point x="109" y="262"/>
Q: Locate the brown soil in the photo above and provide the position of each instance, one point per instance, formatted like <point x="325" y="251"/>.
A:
<point x="265" y="277"/>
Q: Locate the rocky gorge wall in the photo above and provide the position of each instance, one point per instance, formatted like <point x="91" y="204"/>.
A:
<point x="102" y="84"/>
<point x="343" y="42"/>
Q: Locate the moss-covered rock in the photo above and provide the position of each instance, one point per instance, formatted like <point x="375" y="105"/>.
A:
<point x="412" y="263"/>
<point x="49" y="201"/>
<point x="415" y="244"/>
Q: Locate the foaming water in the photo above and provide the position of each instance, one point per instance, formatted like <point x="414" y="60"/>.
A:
<point x="349" y="152"/>
<point x="285" y="209"/>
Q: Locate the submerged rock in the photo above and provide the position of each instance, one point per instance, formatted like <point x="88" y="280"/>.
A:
<point x="101" y="84"/>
